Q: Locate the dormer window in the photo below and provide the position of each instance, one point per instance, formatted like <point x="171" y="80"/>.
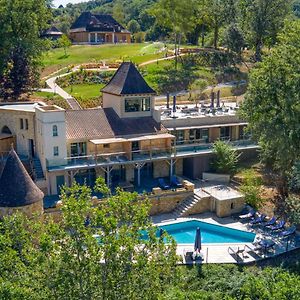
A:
<point x="137" y="104"/>
<point x="54" y="130"/>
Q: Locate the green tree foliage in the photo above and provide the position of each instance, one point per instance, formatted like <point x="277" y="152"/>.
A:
<point x="20" y="46"/>
<point x="234" y="39"/>
<point x="293" y="209"/>
<point x="133" y="26"/>
<point x="262" y="20"/>
<point x="294" y="178"/>
<point x="272" y="103"/>
<point x="92" y="253"/>
<point x="226" y="158"/>
<point x="176" y="16"/>
<point x="251" y="188"/>
<point x="64" y="42"/>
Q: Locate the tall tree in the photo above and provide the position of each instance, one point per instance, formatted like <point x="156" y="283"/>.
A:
<point x="262" y="20"/>
<point x="174" y="15"/>
<point x="20" y="45"/>
<point x="272" y="105"/>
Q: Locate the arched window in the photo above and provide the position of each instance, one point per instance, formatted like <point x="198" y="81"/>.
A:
<point x="54" y="130"/>
<point x="6" y="130"/>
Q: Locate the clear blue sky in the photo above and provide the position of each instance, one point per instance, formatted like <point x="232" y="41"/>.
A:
<point x="64" y="2"/>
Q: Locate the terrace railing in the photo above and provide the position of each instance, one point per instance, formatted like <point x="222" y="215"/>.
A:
<point x="139" y="155"/>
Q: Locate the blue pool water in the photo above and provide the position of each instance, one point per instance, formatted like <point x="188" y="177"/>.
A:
<point x="184" y="233"/>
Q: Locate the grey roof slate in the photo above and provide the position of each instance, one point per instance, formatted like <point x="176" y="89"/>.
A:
<point x="87" y="124"/>
<point x="128" y="81"/>
<point x="16" y="186"/>
<point x="105" y="123"/>
<point x="97" y="22"/>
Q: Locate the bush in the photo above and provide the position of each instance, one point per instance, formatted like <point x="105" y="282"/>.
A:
<point x="226" y="158"/>
<point x="294" y="181"/>
<point x="293" y="209"/>
<point x="251" y="188"/>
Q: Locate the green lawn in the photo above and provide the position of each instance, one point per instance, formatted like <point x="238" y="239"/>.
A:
<point x="138" y="53"/>
<point x="84" y="91"/>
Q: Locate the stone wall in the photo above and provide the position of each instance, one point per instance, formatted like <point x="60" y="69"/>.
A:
<point x="28" y="210"/>
<point x="202" y="206"/>
<point x="11" y="119"/>
<point x="225" y="208"/>
<point x="5" y="144"/>
<point x="167" y="201"/>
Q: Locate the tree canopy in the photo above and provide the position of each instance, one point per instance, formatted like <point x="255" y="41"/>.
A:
<point x="272" y="105"/>
<point x="21" y="24"/>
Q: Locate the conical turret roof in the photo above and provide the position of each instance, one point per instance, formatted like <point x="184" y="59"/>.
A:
<point x="128" y="81"/>
<point x="16" y="186"/>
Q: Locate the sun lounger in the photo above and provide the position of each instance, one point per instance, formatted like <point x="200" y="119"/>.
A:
<point x="258" y="220"/>
<point x="176" y="182"/>
<point x="249" y="215"/>
<point x="288" y="232"/>
<point x="278" y="226"/>
<point x="253" y="248"/>
<point x="163" y="184"/>
<point x="271" y="222"/>
<point x="236" y="251"/>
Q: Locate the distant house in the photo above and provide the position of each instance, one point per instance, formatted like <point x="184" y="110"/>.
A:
<point x="98" y="29"/>
<point x="52" y="33"/>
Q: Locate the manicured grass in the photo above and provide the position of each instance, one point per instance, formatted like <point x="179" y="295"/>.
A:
<point x="55" y="59"/>
<point x="85" y="91"/>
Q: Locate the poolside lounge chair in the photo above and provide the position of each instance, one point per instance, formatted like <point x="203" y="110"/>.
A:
<point x="162" y="184"/>
<point x="176" y="182"/>
<point x="258" y="220"/>
<point x="236" y="251"/>
<point x="271" y="222"/>
<point x="288" y="232"/>
<point x="253" y="248"/>
<point x="251" y="214"/>
<point x="278" y="226"/>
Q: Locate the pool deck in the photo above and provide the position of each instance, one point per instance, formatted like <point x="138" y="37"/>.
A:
<point x="218" y="253"/>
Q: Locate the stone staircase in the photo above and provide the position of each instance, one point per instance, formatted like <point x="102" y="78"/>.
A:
<point x="183" y="208"/>
<point x="38" y="170"/>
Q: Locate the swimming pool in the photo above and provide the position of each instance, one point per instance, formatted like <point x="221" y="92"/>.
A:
<point x="184" y="233"/>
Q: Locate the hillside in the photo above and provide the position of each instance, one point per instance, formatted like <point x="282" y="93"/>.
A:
<point x="122" y="10"/>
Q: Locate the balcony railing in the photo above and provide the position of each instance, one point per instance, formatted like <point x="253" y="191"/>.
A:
<point x="138" y="155"/>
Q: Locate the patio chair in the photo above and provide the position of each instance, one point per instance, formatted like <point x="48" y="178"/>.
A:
<point x="162" y="184"/>
<point x="236" y="251"/>
<point x="253" y="248"/>
<point x="288" y="232"/>
<point x="278" y="226"/>
<point x="271" y="222"/>
<point x="251" y="214"/>
<point x="258" y="220"/>
<point x="175" y="182"/>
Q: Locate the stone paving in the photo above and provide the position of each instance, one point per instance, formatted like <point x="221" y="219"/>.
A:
<point x="218" y="253"/>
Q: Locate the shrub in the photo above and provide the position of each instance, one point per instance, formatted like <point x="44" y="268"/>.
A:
<point x="226" y="158"/>
<point x="293" y="209"/>
<point x="294" y="180"/>
<point x="251" y="188"/>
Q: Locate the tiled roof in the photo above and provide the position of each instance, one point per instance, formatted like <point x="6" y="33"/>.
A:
<point x="16" y="186"/>
<point x="131" y="126"/>
<point x="87" y="124"/>
<point x="127" y="81"/>
<point x="105" y="123"/>
<point x="97" y="22"/>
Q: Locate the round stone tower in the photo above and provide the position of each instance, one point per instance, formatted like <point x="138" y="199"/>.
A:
<point x="18" y="192"/>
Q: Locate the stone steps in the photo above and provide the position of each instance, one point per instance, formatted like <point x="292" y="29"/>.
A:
<point x="186" y="205"/>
